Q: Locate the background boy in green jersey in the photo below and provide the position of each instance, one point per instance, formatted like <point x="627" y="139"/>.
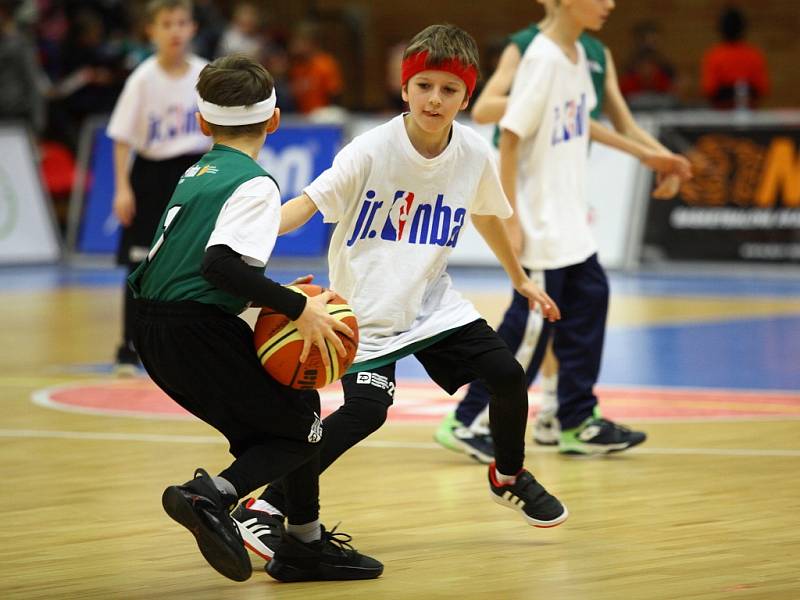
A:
<point x="204" y="267"/>
<point x="465" y="429"/>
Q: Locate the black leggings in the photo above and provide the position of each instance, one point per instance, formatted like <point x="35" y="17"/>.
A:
<point x="470" y="352"/>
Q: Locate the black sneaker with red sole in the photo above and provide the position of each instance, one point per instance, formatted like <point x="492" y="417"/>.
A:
<point x="199" y="506"/>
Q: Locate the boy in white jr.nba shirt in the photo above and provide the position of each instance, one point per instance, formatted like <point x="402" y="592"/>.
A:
<point x="401" y="195"/>
<point x="154" y="119"/>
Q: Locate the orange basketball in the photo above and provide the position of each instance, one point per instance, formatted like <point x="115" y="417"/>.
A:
<point x="279" y="345"/>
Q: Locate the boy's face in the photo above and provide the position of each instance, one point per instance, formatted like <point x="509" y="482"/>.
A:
<point x="434" y="98"/>
<point x="172" y="30"/>
<point x="589" y="14"/>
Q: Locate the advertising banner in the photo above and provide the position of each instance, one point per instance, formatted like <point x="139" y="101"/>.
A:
<point x="743" y="203"/>
<point x="294" y="155"/>
<point x="27" y="230"/>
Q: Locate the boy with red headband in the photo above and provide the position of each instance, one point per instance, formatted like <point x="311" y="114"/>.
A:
<point x="401" y="195"/>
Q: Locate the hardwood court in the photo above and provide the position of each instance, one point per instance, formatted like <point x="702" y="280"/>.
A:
<point x="707" y="508"/>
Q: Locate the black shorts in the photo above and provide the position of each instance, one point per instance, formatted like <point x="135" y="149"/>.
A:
<point x="153" y="182"/>
<point x="205" y="360"/>
<point x="450" y="362"/>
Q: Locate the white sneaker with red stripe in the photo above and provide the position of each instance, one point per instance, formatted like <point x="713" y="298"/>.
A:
<point x="261" y="531"/>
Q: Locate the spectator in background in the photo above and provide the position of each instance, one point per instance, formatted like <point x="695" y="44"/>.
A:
<point x="210" y="25"/>
<point x="394" y="88"/>
<point x="276" y="62"/>
<point x="136" y="46"/>
<point x="21" y="77"/>
<point x="93" y="75"/>
<point x="734" y="73"/>
<point x="244" y="34"/>
<point x="314" y="75"/>
<point x="647" y="82"/>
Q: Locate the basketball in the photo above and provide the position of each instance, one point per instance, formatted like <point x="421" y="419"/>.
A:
<point x="278" y="345"/>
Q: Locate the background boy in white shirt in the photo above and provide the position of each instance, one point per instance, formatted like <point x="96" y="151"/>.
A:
<point x="401" y="195"/>
<point x="543" y="156"/>
<point x="465" y="430"/>
<point x="154" y="119"/>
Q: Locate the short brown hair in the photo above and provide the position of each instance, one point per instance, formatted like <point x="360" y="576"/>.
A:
<point x="235" y="80"/>
<point x="156" y="6"/>
<point x="442" y="43"/>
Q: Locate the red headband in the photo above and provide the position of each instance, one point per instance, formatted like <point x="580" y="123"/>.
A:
<point x="418" y="62"/>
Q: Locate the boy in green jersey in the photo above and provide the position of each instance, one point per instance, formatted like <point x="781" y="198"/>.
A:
<point x="205" y="266"/>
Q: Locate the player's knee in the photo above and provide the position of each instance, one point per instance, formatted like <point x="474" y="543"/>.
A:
<point x="507" y="377"/>
<point x="370" y="414"/>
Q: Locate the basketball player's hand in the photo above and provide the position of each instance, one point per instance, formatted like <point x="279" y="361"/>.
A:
<point x="667" y="186"/>
<point x="667" y="162"/>
<point x="317" y="327"/>
<point x="124" y="206"/>
<point x="304" y="279"/>
<point x="515" y="235"/>
<point x="538" y="297"/>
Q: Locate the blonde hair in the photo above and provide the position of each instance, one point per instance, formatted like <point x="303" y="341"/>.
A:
<point x="156" y="6"/>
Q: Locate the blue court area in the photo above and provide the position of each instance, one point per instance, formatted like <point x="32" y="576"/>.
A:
<point x="722" y="331"/>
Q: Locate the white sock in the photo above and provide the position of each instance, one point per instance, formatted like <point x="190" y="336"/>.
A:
<point x="306" y="533"/>
<point x="504" y="479"/>
<point x="480" y="426"/>
<point x="549" y="404"/>
<point x="265" y="506"/>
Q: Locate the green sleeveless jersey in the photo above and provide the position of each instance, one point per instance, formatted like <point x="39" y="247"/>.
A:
<point x="595" y="57"/>
<point x="171" y="272"/>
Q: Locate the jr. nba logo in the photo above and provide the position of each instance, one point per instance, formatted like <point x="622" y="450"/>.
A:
<point x="409" y="220"/>
<point x="399" y="216"/>
<point x="570" y="121"/>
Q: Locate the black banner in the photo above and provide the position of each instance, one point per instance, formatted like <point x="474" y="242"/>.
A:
<point x="743" y="203"/>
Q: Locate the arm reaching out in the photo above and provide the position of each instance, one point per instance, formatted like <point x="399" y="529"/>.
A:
<point x="492" y="231"/>
<point x="665" y="163"/>
<point x="124" y="201"/>
<point x="621" y="118"/>
<point x="509" y="150"/>
<point x="491" y="104"/>
<point x="296" y="213"/>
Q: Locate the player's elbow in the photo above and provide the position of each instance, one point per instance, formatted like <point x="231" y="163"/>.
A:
<point x="480" y="114"/>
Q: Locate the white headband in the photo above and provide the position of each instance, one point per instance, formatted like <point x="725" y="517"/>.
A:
<point x="238" y="115"/>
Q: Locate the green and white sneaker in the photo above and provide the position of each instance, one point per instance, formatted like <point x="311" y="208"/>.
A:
<point x="452" y="434"/>
<point x="598" y="436"/>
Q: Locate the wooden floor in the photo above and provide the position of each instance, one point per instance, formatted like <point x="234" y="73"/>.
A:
<point x="703" y="510"/>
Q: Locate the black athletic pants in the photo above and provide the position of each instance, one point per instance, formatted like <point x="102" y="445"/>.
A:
<point x="205" y="360"/>
<point x="581" y="292"/>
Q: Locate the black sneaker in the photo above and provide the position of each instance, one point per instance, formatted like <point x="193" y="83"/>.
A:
<point x="127" y="361"/>
<point x="199" y="506"/>
<point x="260" y="530"/>
<point x="598" y="436"/>
<point x="328" y="559"/>
<point x="526" y="495"/>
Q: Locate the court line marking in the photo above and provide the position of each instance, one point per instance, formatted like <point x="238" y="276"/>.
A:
<point x="42" y="398"/>
<point x="207" y="439"/>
